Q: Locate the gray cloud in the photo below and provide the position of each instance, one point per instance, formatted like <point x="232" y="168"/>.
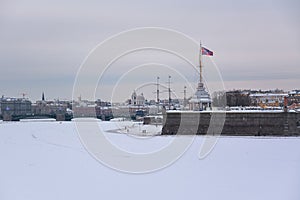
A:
<point x="44" y="42"/>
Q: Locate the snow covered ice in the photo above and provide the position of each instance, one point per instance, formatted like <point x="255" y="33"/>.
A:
<point x="46" y="160"/>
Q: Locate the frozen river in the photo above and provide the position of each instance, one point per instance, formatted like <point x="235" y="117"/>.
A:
<point x="46" y="160"/>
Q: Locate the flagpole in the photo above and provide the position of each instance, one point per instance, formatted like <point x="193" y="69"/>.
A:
<point x="200" y="63"/>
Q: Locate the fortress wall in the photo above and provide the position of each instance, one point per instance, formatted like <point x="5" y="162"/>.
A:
<point x="243" y="123"/>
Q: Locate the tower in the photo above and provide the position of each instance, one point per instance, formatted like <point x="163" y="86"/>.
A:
<point x="134" y="98"/>
<point x="201" y="99"/>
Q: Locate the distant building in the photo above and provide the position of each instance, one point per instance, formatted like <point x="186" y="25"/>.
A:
<point x="137" y="106"/>
<point x="95" y="109"/>
<point x="238" y="98"/>
<point x="244" y="98"/>
<point x="294" y="100"/>
<point x="294" y="97"/>
<point x="137" y="100"/>
<point x="102" y="103"/>
<point x="47" y="108"/>
<point x="15" y="107"/>
<point x="104" y="113"/>
<point x="103" y="110"/>
<point x="133" y="100"/>
<point x="268" y="99"/>
<point x="84" y="111"/>
<point x="140" y="99"/>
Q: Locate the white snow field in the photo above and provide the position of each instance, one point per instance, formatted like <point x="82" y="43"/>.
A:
<point x="46" y="161"/>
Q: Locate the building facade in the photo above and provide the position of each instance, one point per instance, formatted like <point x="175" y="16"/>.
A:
<point x="13" y="108"/>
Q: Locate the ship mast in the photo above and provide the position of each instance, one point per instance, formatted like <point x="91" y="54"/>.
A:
<point x="169" y="90"/>
<point x="157" y="90"/>
<point x="157" y="93"/>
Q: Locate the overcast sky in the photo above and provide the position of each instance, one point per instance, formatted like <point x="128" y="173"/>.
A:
<point x="43" y="43"/>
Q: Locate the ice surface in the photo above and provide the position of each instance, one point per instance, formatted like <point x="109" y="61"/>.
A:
<point x="45" y="160"/>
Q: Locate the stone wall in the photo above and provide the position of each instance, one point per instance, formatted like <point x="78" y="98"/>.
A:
<point x="236" y="123"/>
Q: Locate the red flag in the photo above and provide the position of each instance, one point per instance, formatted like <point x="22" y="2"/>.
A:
<point x="206" y="52"/>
